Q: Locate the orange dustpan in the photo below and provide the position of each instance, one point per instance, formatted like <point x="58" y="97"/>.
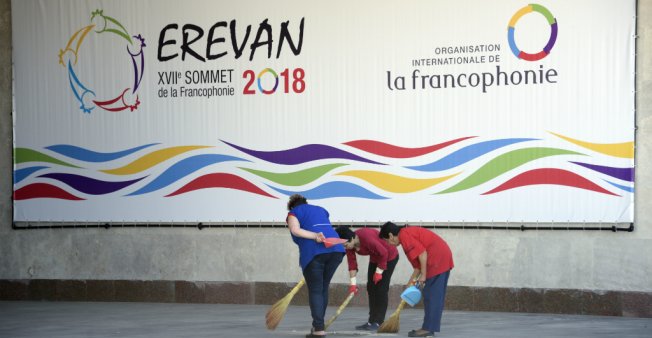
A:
<point x="329" y="242"/>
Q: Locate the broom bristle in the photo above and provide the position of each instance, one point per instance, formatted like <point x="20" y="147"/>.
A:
<point x="393" y="323"/>
<point x="275" y="313"/>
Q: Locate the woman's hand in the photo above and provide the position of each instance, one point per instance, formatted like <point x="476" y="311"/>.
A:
<point x="415" y="276"/>
<point x="295" y="229"/>
<point x="353" y="287"/>
<point x="422" y="279"/>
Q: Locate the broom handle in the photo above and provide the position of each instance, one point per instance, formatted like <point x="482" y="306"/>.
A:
<point x="297" y="287"/>
<point x="400" y="306"/>
<point x="339" y="310"/>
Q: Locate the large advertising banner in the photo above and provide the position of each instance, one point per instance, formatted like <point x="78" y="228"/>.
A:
<point x="416" y="111"/>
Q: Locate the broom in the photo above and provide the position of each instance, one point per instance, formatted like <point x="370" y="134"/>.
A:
<point x="393" y="323"/>
<point x="339" y="310"/>
<point x="277" y="311"/>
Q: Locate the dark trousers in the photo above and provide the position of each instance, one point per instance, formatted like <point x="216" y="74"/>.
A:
<point x="318" y="274"/>
<point x="434" y="295"/>
<point x="378" y="293"/>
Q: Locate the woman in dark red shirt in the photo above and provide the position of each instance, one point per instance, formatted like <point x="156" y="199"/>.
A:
<point x="382" y="260"/>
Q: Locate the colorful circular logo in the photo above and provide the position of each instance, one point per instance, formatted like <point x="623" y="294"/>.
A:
<point x="551" y="41"/>
<point x="126" y="98"/>
<point x="260" y="87"/>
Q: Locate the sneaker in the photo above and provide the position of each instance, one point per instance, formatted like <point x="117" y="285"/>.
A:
<point x="368" y="327"/>
<point x="364" y="326"/>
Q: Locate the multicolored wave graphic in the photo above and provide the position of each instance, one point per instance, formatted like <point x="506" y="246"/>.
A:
<point x="366" y="169"/>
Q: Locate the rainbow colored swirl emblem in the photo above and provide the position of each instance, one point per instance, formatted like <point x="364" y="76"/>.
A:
<point x="126" y="98"/>
<point x="551" y="41"/>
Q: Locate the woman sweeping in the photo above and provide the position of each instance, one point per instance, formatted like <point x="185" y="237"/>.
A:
<point x="382" y="260"/>
<point x="309" y="226"/>
<point x="432" y="261"/>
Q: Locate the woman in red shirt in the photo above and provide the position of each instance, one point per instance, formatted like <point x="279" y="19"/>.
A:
<point x="382" y="260"/>
<point x="432" y="261"/>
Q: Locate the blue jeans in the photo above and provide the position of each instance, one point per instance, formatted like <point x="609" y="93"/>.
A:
<point x="318" y="274"/>
<point x="434" y="294"/>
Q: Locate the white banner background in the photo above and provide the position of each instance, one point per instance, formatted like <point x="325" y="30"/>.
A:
<point x="349" y="50"/>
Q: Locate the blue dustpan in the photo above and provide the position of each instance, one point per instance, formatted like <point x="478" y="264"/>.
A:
<point x="411" y="295"/>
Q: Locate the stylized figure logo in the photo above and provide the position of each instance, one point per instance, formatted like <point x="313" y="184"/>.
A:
<point x="86" y="96"/>
<point x="551" y="41"/>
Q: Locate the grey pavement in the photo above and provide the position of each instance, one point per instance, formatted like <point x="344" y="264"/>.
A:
<point x="86" y="319"/>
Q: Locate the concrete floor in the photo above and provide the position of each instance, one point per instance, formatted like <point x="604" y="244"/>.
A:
<point x="81" y="319"/>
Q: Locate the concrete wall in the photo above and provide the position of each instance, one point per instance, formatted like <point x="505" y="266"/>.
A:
<point x="579" y="261"/>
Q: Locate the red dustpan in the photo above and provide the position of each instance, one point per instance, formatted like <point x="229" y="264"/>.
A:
<point x="329" y="242"/>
